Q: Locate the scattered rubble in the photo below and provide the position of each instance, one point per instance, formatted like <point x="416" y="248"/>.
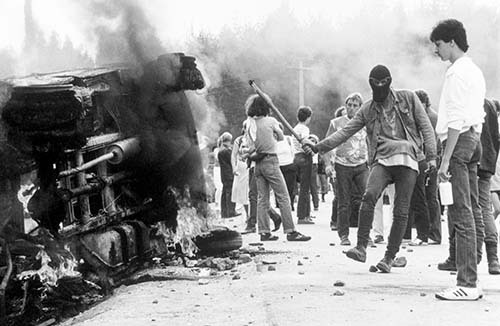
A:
<point x="338" y="293"/>
<point x="373" y="269"/>
<point x="339" y="283"/>
<point x="271" y="268"/>
<point x="299" y="263"/>
<point x="203" y="281"/>
<point x="244" y="258"/>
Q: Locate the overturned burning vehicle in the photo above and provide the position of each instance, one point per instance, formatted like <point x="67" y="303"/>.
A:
<point x="113" y="157"/>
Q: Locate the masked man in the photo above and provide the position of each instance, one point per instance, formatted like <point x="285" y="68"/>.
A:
<point x="394" y="121"/>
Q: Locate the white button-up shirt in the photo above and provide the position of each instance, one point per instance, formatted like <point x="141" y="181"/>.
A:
<point x="462" y="98"/>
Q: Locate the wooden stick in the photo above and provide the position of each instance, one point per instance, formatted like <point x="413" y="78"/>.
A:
<point x="280" y="117"/>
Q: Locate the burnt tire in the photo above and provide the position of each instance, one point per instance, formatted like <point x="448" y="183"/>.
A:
<point x="218" y="241"/>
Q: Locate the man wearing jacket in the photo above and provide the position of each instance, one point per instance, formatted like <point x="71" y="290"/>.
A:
<point x="394" y="121"/>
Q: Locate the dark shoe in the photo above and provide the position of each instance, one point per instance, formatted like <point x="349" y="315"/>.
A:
<point x="378" y="239"/>
<point x="494" y="267"/>
<point x="357" y="253"/>
<point x="249" y="230"/>
<point x="333" y="226"/>
<point x="447" y="265"/>
<point x="234" y="214"/>
<point x="277" y="224"/>
<point x="306" y="220"/>
<point x="385" y="264"/>
<point x="316" y="209"/>
<point x="344" y="241"/>
<point x="268" y="237"/>
<point x="297" y="236"/>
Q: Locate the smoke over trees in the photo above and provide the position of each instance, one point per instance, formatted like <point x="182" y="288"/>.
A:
<point x="338" y="48"/>
<point x="339" y="55"/>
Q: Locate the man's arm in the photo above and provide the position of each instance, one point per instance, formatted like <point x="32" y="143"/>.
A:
<point x="329" y="157"/>
<point x="277" y="131"/>
<point x="337" y="138"/>
<point x="451" y="141"/>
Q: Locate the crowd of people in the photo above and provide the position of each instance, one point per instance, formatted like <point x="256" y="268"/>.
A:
<point x="391" y="149"/>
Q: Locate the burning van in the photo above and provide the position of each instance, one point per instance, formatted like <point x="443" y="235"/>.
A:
<point x="109" y="153"/>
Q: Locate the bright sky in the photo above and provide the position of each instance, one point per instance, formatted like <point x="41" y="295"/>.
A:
<point x="175" y="20"/>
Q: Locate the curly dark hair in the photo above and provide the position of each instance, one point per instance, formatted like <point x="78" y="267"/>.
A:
<point x="256" y="106"/>
<point x="450" y="29"/>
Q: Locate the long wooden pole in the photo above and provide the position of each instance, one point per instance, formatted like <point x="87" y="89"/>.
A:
<point x="280" y="117"/>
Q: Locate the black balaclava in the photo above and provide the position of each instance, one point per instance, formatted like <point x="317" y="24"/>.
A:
<point x="380" y="82"/>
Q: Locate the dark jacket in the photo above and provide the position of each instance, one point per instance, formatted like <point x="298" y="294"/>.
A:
<point x="412" y="113"/>
<point x="489" y="140"/>
<point x="226" y="169"/>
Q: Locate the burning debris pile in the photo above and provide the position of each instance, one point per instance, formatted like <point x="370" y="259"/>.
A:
<point x="117" y="178"/>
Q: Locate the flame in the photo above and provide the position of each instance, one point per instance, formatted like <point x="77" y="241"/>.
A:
<point x="190" y="223"/>
<point x="49" y="275"/>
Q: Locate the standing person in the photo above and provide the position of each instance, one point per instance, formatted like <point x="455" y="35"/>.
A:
<point x="263" y="133"/>
<point x="323" y="179"/>
<point x="314" y="176"/>
<point x="226" y="175"/>
<point x="350" y="164"/>
<point x="239" y="194"/>
<point x="460" y="119"/>
<point x="431" y="193"/>
<point x="303" y="162"/>
<point x="487" y="166"/>
<point x="284" y="149"/>
<point x="395" y="121"/>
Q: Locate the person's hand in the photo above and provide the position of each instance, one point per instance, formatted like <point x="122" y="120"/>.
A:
<point x="309" y="147"/>
<point x="330" y="171"/>
<point x="443" y="174"/>
<point x="431" y="165"/>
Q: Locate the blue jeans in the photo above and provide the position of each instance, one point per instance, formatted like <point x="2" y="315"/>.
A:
<point x="465" y="213"/>
<point x="380" y="176"/>
<point x="252" y="197"/>
<point x="268" y="175"/>
<point x="349" y="179"/>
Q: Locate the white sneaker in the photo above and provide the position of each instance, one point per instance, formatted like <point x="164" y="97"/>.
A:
<point x="418" y="242"/>
<point x="460" y="293"/>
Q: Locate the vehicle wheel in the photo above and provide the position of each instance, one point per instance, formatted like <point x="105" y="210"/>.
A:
<point x="218" y="241"/>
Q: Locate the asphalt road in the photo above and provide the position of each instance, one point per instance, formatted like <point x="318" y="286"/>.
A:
<point x="303" y="294"/>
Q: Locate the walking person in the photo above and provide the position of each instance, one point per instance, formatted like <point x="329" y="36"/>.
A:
<point x="460" y="119"/>
<point x="314" y="176"/>
<point x="239" y="194"/>
<point x="350" y="165"/>
<point x="303" y="162"/>
<point x="263" y="133"/>
<point x="431" y="192"/>
<point x="395" y="122"/>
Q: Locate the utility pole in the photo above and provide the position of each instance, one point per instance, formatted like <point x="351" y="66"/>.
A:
<point x="301" y="70"/>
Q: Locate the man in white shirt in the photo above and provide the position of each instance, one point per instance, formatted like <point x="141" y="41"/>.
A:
<point x="460" y="119"/>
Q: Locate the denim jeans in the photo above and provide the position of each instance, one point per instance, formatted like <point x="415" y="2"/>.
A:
<point x="252" y="197"/>
<point x="465" y="214"/>
<point x="268" y="175"/>
<point x="490" y="229"/>
<point x="419" y="212"/>
<point x="431" y="195"/>
<point x="349" y="179"/>
<point x="303" y="162"/>
<point x="380" y="176"/>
